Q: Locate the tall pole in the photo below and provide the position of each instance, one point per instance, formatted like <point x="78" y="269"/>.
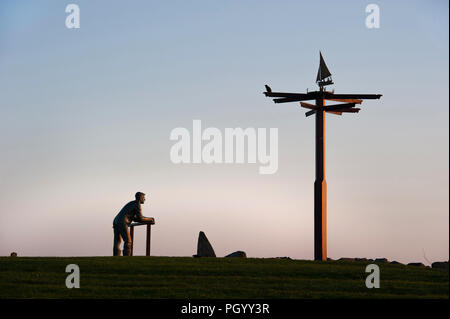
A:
<point x="320" y="185"/>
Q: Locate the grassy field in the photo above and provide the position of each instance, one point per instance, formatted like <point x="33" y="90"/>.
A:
<point x="179" y="277"/>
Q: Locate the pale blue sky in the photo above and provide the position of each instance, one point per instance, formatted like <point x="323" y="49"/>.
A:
<point x="86" y="116"/>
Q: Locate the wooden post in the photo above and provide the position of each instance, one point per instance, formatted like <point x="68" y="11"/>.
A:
<point x="320" y="186"/>
<point x="132" y="239"/>
<point x="147" y="247"/>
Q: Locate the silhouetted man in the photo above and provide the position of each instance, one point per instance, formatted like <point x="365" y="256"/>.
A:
<point x="130" y="212"/>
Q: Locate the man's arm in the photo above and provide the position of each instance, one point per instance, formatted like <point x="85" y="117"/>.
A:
<point x="139" y="217"/>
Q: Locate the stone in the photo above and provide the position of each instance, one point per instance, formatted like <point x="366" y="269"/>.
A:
<point x="240" y="254"/>
<point x="381" y="260"/>
<point x="440" y="265"/>
<point x="13" y="254"/>
<point x="346" y="259"/>
<point x="416" y="264"/>
<point x="204" y="248"/>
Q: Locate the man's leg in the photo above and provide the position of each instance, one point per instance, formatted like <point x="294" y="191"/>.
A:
<point x="116" y="245"/>
<point x="124" y="232"/>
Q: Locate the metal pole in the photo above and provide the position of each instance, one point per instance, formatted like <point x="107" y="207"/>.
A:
<point x="320" y="186"/>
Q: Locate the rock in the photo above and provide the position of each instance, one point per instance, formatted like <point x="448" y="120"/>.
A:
<point x="360" y="259"/>
<point x="440" y="265"/>
<point x="13" y="254"/>
<point x="381" y="260"/>
<point x="346" y="259"/>
<point x="416" y="264"/>
<point x="238" y="253"/>
<point x="395" y="263"/>
<point x="204" y="248"/>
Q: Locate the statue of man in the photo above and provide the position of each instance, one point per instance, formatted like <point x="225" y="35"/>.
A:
<point x="130" y="212"/>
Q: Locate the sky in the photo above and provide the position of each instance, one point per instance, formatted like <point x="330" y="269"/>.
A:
<point x="86" y="115"/>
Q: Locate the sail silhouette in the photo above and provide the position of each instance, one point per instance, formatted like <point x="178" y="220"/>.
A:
<point x="323" y="71"/>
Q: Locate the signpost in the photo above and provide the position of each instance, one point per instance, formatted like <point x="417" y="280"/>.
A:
<point x="319" y="109"/>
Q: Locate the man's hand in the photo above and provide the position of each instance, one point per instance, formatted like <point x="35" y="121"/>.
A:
<point x="146" y="219"/>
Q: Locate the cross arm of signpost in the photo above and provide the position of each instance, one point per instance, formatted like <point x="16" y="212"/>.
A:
<point x="337" y="109"/>
<point x="350" y="100"/>
<point x="356" y="101"/>
<point x="284" y="97"/>
<point x="331" y="95"/>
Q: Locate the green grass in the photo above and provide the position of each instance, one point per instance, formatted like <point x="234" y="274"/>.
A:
<point x="179" y="277"/>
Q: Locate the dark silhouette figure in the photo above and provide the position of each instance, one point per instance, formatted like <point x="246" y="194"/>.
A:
<point x="130" y="212"/>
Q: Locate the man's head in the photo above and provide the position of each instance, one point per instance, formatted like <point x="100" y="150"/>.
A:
<point x="140" y="197"/>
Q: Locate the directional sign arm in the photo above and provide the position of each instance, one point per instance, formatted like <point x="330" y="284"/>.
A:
<point x="350" y="110"/>
<point x="291" y="99"/>
<point x="310" y="113"/>
<point x="283" y="94"/>
<point x="334" y="112"/>
<point x="308" y="106"/>
<point x="356" y="101"/>
<point x="298" y="96"/>
<point x="329" y="95"/>
<point x="338" y="107"/>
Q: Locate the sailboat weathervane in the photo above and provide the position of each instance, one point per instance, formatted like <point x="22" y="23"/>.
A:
<point x="323" y="74"/>
<point x="319" y="109"/>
